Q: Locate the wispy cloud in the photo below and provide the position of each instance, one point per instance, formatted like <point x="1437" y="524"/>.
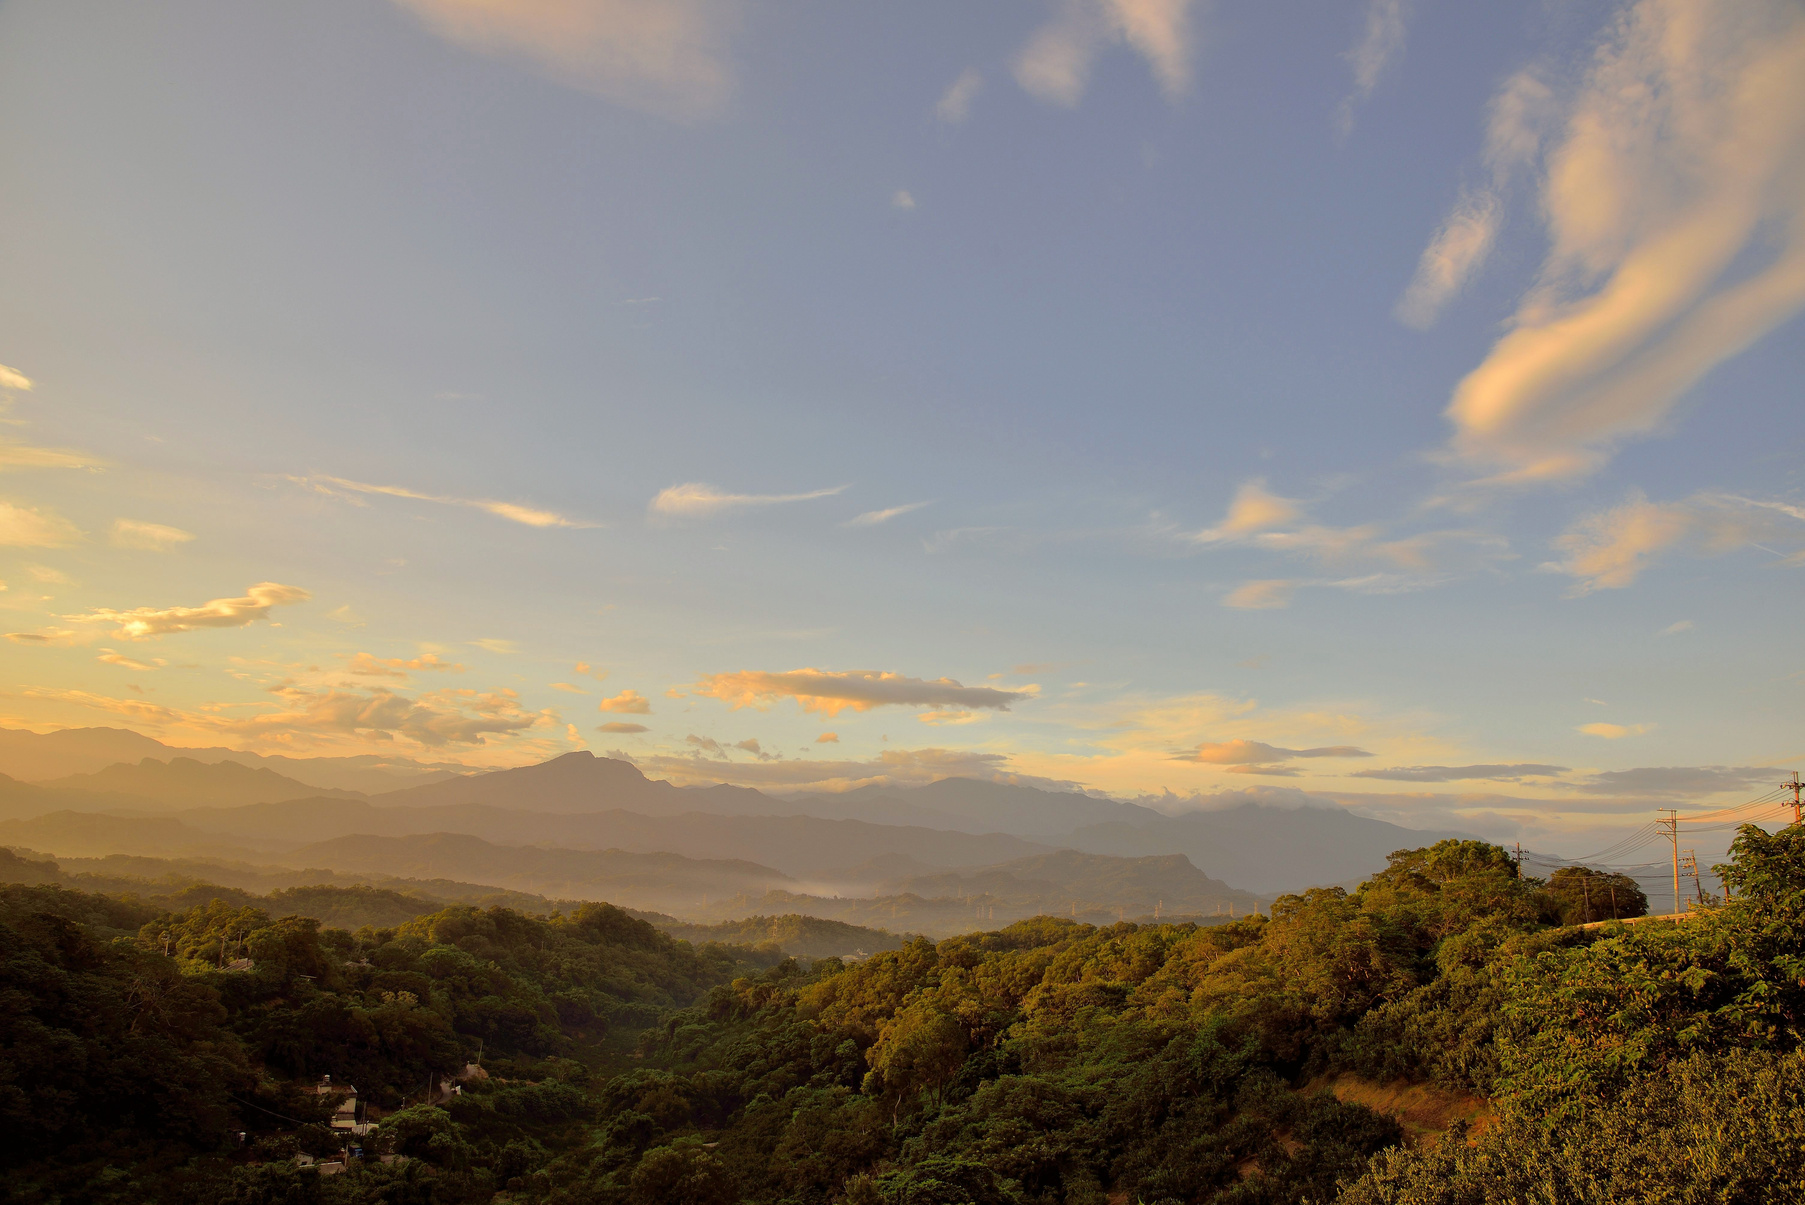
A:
<point x="35" y="527"/>
<point x="515" y="512"/>
<point x="955" y="103"/>
<point x="902" y="199"/>
<point x="112" y="658"/>
<point x="53" y="637"/>
<point x="1266" y="594"/>
<point x="144" y="623"/>
<point x="696" y="500"/>
<point x="147" y="537"/>
<point x="12" y="378"/>
<point x="1254" y="509"/>
<point x="1676" y="229"/>
<point x="1609" y="549"/>
<point x="1056" y="63"/>
<point x="669" y="57"/>
<point x="1381" y="44"/>
<point x="1679" y="780"/>
<point x="873" y="517"/>
<point x="828" y="692"/>
<point x="621" y="726"/>
<point x="1510" y="772"/>
<point x="1519" y="117"/>
<point x="25" y="456"/>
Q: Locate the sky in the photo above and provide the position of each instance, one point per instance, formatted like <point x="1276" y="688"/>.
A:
<point x="1397" y="402"/>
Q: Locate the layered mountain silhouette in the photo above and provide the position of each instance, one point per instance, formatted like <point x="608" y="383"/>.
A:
<point x="949" y="853"/>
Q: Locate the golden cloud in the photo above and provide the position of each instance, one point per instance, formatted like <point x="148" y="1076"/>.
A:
<point x="515" y="512"/>
<point x="1613" y="732"/>
<point x="31" y="527"/>
<point x="1240" y="752"/>
<point x="1264" y="595"/>
<point x="147" y="537"/>
<point x="12" y="378"/>
<point x="433" y="720"/>
<point x="1609" y="549"/>
<point x="1056" y="63"/>
<point x="145" y="622"/>
<point x="668" y="57"/>
<point x="24" y="456"/>
<point x="364" y="665"/>
<point x="627" y="702"/>
<point x="1677" y="235"/>
<point x="829" y="693"/>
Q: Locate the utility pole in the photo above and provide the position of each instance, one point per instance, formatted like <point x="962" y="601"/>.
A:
<point x="1672" y="825"/>
<point x="1698" y="888"/>
<point x="1794" y="786"/>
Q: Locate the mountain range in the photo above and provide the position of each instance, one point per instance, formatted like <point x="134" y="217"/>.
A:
<point x="581" y="823"/>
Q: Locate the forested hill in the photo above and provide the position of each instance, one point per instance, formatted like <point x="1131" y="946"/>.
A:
<point x="1046" y="1062"/>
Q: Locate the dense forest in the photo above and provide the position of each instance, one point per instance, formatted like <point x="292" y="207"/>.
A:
<point x="156" y="1055"/>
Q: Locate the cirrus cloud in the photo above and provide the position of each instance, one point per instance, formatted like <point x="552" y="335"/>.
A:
<point x="514" y="512"/>
<point x="697" y="500"/>
<point x="827" y="692"/>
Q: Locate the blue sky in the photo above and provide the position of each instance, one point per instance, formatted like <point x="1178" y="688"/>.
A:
<point x="1256" y="395"/>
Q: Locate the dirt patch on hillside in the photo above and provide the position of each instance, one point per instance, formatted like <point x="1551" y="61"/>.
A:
<point x="1424" y="1110"/>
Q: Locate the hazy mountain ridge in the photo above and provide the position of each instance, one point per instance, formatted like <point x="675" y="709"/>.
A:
<point x="184" y="782"/>
<point x="38" y="756"/>
<point x="836" y="843"/>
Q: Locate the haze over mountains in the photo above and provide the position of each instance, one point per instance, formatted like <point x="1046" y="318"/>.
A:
<point x="954" y="853"/>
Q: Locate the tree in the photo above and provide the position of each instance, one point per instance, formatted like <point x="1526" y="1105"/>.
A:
<point x="1586" y="895"/>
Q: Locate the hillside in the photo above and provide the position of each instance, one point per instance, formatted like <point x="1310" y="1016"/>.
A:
<point x="798" y="936"/>
<point x="1437" y="1037"/>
